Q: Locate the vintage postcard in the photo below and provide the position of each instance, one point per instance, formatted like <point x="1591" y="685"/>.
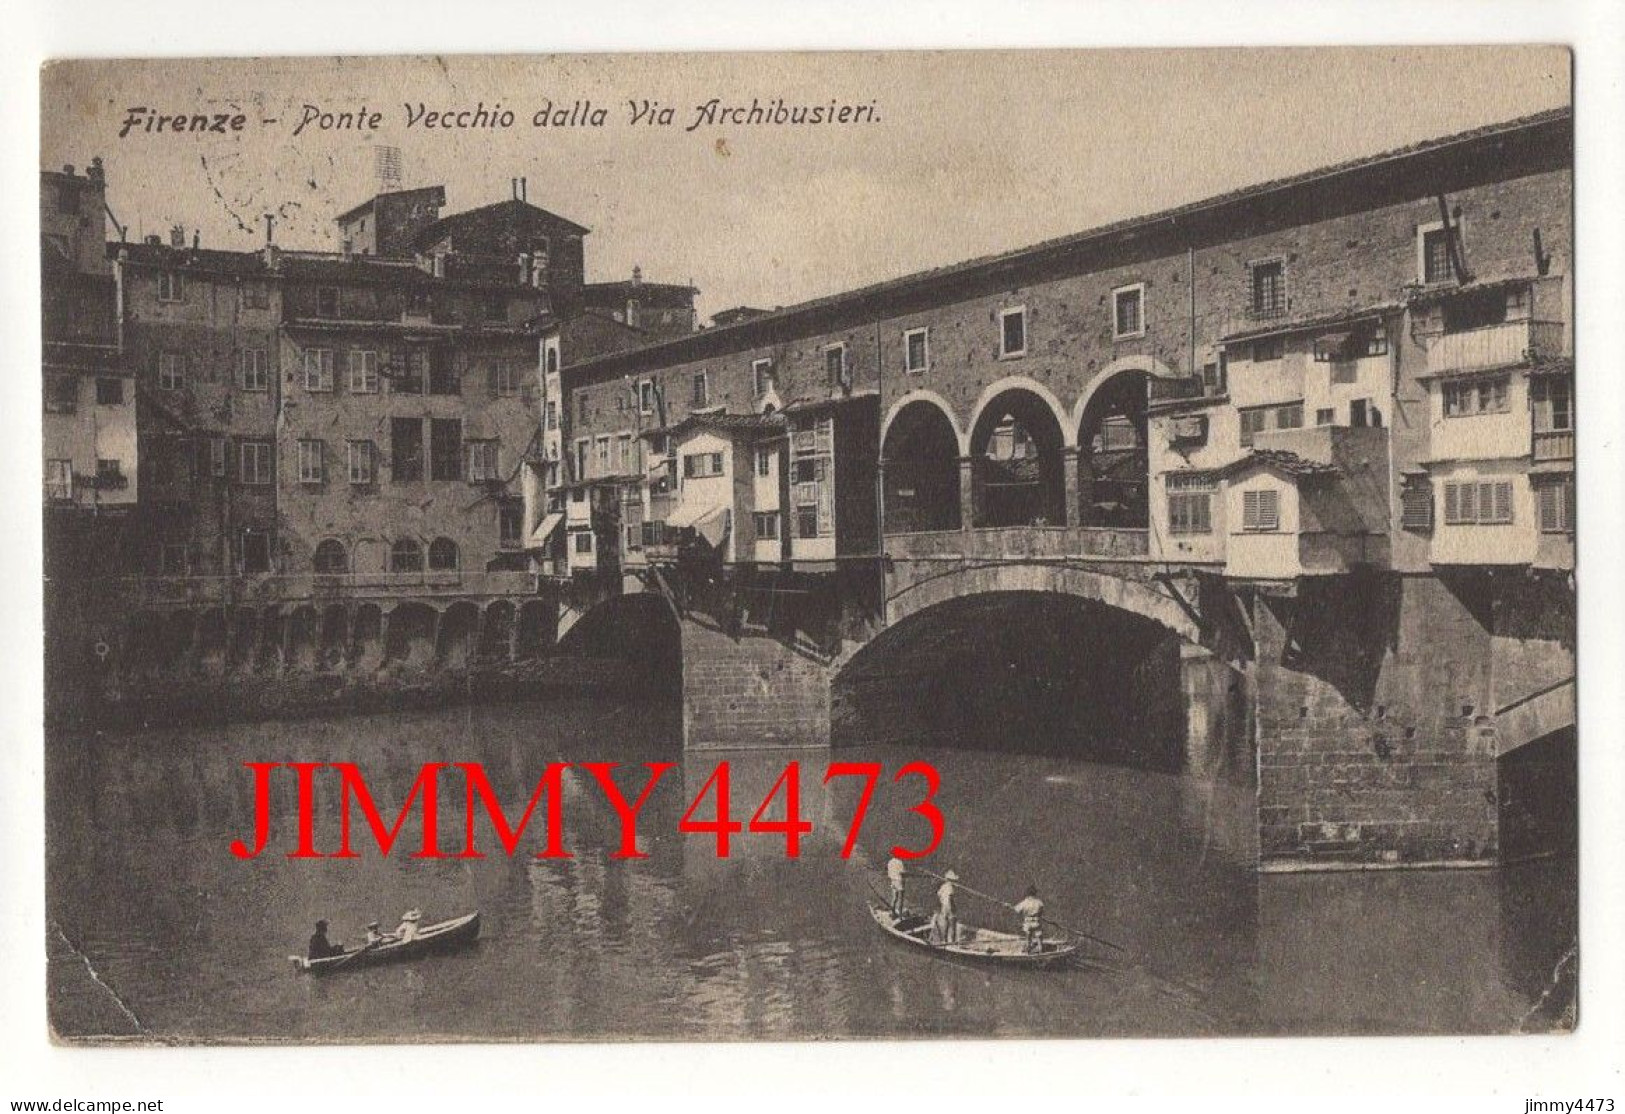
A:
<point x="790" y="546"/>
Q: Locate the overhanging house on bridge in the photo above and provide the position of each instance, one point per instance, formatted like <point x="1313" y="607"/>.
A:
<point x="1308" y="425"/>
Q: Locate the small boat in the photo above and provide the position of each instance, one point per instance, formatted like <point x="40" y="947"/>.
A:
<point x="982" y="944"/>
<point x="430" y="939"/>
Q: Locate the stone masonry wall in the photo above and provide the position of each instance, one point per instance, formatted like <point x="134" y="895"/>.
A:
<point x="750" y="692"/>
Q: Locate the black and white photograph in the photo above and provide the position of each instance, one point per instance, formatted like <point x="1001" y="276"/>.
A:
<point x="769" y="546"/>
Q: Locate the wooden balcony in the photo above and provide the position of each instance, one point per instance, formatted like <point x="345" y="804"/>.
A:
<point x="1505" y="345"/>
<point x="1554" y="445"/>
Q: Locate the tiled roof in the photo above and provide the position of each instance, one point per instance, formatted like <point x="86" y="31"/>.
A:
<point x="1280" y="460"/>
<point x="439" y="191"/>
<point x="477" y="218"/>
<point x="732" y="423"/>
<point x="1312" y="322"/>
<point x="208" y="259"/>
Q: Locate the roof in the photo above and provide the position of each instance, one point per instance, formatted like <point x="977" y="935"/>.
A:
<point x="368" y="204"/>
<point x="1220" y="210"/>
<point x="207" y="259"/>
<point x="629" y="286"/>
<point x="1279" y="460"/>
<point x="729" y="423"/>
<point x="1305" y="324"/>
<point x="449" y="225"/>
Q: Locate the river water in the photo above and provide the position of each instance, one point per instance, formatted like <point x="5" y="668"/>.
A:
<point x="156" y="930"/>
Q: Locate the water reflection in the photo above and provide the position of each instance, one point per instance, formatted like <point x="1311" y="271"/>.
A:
<point x="682" y="944"/>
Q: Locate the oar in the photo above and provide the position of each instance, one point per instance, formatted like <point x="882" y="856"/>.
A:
<point x="1000" y="901"/>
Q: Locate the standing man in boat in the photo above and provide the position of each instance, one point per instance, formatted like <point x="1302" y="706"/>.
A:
<point x="895" y="873"/>
<point x="408" y="929"/>
<point x="947" y="915"/>
<point x="1031" y="910"/>
<point x="320" y="946"/>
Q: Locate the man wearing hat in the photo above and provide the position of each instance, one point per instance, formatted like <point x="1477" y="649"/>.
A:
<point x="320" y="946"/>
<point x="947" y="917"/>
<point x="409" y="925"/>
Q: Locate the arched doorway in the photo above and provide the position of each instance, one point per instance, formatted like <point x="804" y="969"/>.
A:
<point x="1017" y="462"/>
<point x="1113" y="481"/>
<point x="921" y="467"/>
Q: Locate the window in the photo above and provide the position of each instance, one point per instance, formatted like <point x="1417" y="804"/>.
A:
<point x="1433" y="253"/>
<point x="916" y="351"/>
<point x="1261" y="510"/>
<point x="327" y="301"/>
<point x="406" y="449"/>
<point x="174" y="559"/>
<point x="256" y="551"/>
<point x="496" y="308"/>
<point x="581" y="458"/>
<point x="414" y="371"/>
<point x="444" y="376"/>
<point x="363" y="372"/>
<point x="1363" y="412"/>
<point x="702" y="391"/>
<point x="504" y="378"/>
<point x="1190" y="504"/>
<point x="835" y="367"/>
<point x="1013" y="332"/>
<point x="59" y="479"/>
<point x="1477" y="502"/>
<point x="1268" y="287"/>
<point x="510" y="523"/>
<point x="807" y="520"/>
<point x="482" y="461"/>
<point x="1128" y="311"/>
<point x="623" y="453"/>
<point x="330" y="557"/>
<point x="254" y="462"/>
<point x="581" y="408"/>
<point x="310" y="462"/>
<point x="445" y="448"/>
<point x="552" y="363"/>
<point x="583" y="540"/>
<point x="702" y="465"/>
<point x="634" y="535"/>
<point x="552" y="414"/>
<point x="1465" y="398"/>
<point x="417" y="302"/>
<point x="1416" y="505"/>
<point x="1551" y="398"/>
<point x="61" y="394"/>
<point x="109" y="475"/>
<point x="1556" y="501"/>
<point x="602" y="445"/>
<point x="406" y="555"/>
<point x="443" y="555"/>
<point x="253" y="369"/>
<point x="171" y="287"/>
<point x="1213" y="377"/>
<point x="764" y="460"/>
<point x="256" y="296"/>
<point x="363" y="462"/>
<point x="1252" y="423"/>
<point x="109" y="391"/>
<point x="1326" y="416"/>
<point x="217" y="456"/>
<point x="1289" y="416"/>
<point x="171" y="371"/>
<point x="1266" y="349"/>
<point x="761" y="374"/>
<point x="318" y="369"/>
<point x="766" y="524"/>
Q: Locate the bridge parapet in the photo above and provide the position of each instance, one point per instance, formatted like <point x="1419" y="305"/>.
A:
<point x="162" y="592"/>
<point x="1021" y="543"/>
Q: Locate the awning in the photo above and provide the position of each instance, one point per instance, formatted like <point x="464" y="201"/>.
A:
<point x="708" y="520"/>
<point x="688" y="513"/>
<point x="544" y="529"/>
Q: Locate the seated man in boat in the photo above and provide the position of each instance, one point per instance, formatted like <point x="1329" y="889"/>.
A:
<point x="895" y="873"/>
<point x="374" y="937"/>
<point x="1031" y="910"/>
<point x="408" y="929"/>
<point x="320" y="946"/>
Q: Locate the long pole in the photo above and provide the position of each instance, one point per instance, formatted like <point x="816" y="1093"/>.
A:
<point x="1008" y="905"/>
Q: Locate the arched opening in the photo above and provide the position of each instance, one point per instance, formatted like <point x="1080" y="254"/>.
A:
<point x="921" y="464"/>
<point x="365" y="650"/>
<point x="304" y="638"/>
<point x="458" y="631"/>
<point x="442" y="555"/>
<point x="335" y="635"/>
<point x="640" y="630"/>
<point x="406" y="555"/>
<point x="535" y="632"/>
<point x="1113" y="482"/>
<point x="496" y="631"/>
<point x="330" y="557"/>
<point x="1017" y="466"/>
<point x="410" y="635"/>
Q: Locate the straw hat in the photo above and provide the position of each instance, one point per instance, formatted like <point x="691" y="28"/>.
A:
<point x="412" y="915"/>
<point x="952" y="876"/>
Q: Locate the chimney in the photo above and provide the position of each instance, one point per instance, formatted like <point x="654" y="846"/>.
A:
<point x="177" y="236"/>
<point x="95" y="172"/>
<point x="197" y="238"/>
<point x="154" y="240"/>
<point x="68" y="169"/>
<point x="637" y="275"/>
<point x="348" y="249"/>
<point x="513" y="189"/>
<point x="270" y="225"/>
<point x="524" y="191"/>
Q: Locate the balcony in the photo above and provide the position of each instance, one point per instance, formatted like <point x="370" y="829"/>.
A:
<point x="1490" y="346"/>
<point x="1554" y="445"/>
<point x="272" y="588"/>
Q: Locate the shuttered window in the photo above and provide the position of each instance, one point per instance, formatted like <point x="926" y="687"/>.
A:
<point x="1556" y="506"/>
<point x="1261" y="510"/>
<point x="1416" y="507"/>
<point x="1477" y="502"/>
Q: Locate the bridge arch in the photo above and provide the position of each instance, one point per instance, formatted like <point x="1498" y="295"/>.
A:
<point x="920" y="451"/>
<point x="1113" y="438"/>
<point x="921" y="395"/>
<point x="1019" y="439"/>
<point x="1152" y="367"/>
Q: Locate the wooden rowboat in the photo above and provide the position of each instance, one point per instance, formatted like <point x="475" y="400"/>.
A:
<point x="430" y="939"/>
<point x="980" y="944"/>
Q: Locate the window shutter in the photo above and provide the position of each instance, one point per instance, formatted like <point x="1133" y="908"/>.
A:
<point x="1249" y="510"/>
<point x="1549" y="507"/>
<point x="1503" y="502"/>
<point x="1269" y="510"/>
<point x="1202" y="505"/>
<point x="491" y="386"/>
